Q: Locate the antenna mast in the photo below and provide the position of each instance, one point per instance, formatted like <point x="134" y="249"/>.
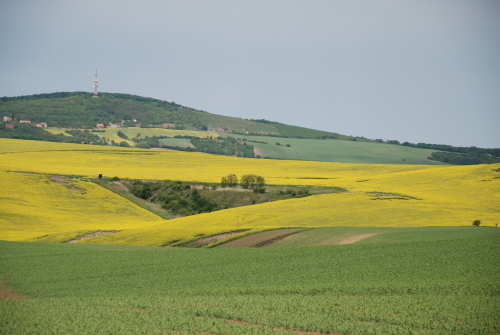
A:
<point x="96" y="84"/>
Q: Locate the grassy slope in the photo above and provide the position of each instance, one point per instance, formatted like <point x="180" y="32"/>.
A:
<point x="341" y="151"/>
<point x="301" y="149"/>
<point x="430" y="287"/>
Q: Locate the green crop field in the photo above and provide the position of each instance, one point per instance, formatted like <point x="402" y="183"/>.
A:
<point x="428" y="287"/>
<point x="340" y="151"/>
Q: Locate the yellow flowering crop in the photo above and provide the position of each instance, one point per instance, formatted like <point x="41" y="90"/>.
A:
<point x="34" y="206"/>
<point x="378" y="194"/>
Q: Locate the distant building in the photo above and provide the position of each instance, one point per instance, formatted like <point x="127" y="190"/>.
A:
<point x="100" y="125"/>
<point x="6" y="118"/>
<point x="41" y="125"/>
<point x="10" y="126"/>
<point x="25" y="121"/>
<point x="116" y="125"/>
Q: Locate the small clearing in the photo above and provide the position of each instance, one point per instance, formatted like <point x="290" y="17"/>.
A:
<point x="90" y="235"/>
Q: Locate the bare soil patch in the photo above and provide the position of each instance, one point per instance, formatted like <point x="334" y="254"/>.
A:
<point x="259" y="239"/>
<point x="256" y="151"/>
<point x="355" y="238"/>
<point x="63" y="181"/>
<point x="90" y="235"/>
<point x="8" y="293"/>
<point x="209" y="239"/>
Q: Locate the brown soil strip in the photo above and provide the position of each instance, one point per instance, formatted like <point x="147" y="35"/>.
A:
<point x="276" y="239"/>
<point x="209" y="239"/>
<point x="254" y="239"/>
<point x="355" y="238"/>
<point x="256" y="151"/>
<point x="8" y="293"/>
<point x="279" y="328"/>
<point x="90" y="235"/>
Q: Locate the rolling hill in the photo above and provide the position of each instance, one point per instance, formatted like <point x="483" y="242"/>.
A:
<point x="79" y="109"/>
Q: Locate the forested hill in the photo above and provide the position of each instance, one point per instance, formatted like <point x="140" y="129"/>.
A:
<point x="78" y="109"/>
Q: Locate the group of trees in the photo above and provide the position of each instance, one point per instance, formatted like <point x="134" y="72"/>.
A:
<point x="175" y="196"/>
<point x="223" y="146"/>
<point x="247" y="181"/>
<point x="470" y="158"/>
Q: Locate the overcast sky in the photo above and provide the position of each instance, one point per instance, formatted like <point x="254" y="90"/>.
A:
<point x="409" y="70"/>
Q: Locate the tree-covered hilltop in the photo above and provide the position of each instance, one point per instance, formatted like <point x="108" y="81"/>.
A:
<point x="80" y="109"/>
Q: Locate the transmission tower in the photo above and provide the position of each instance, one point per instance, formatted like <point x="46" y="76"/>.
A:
<point x="96" y="84"/>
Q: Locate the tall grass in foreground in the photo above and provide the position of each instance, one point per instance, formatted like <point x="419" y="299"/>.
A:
<point x="437" y="287"/>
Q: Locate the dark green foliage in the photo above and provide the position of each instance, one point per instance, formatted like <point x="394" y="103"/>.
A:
<point x="178" y="197"/>
<point x="250" y="181"/>
<point x="229" y="181"/>
<point x="183" y="200"/>
<point x="459" y="155"/>
<point x="476" y="223"/>
<point x="77" y="109"/>
<point x="147" y="142"/>
<point x="124" y="144"/>
<point x="29" y="132"/>
<point x="259" y="189"/>
<point x="143" y="190"/>
<point x="115" y="178"/>
<point x="122" y="134"/>
<point x="223" y="146"/>
<point x="469" y="158"/>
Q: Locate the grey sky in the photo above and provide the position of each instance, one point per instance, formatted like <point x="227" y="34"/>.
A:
<point x="417" y="71"/>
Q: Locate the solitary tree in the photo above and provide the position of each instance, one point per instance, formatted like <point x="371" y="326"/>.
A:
<point x="476" y="223"/>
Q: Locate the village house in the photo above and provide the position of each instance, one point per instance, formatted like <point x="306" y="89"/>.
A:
<point x="25" y="121"/>
<point x="100" y="125"/>
<point x="7" y="118"/>
<point x="10" y="126"/>
<point x="116" y="125"/>
<point x="41" y="125"/>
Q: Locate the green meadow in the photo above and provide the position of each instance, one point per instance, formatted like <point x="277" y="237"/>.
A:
<point x="448" y="285"/>
<point x="330" y="150"/>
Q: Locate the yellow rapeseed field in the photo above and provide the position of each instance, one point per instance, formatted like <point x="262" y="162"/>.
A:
<point x="378" y="195"/>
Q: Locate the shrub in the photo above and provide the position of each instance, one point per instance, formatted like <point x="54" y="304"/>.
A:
<point x="115" y="178"/>
<point x="259" y="189"/>
<point x="476" y="223"/>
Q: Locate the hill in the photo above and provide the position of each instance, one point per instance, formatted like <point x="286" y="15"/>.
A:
<point x="72" y="110"/>
<point x="80" y="109"/>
